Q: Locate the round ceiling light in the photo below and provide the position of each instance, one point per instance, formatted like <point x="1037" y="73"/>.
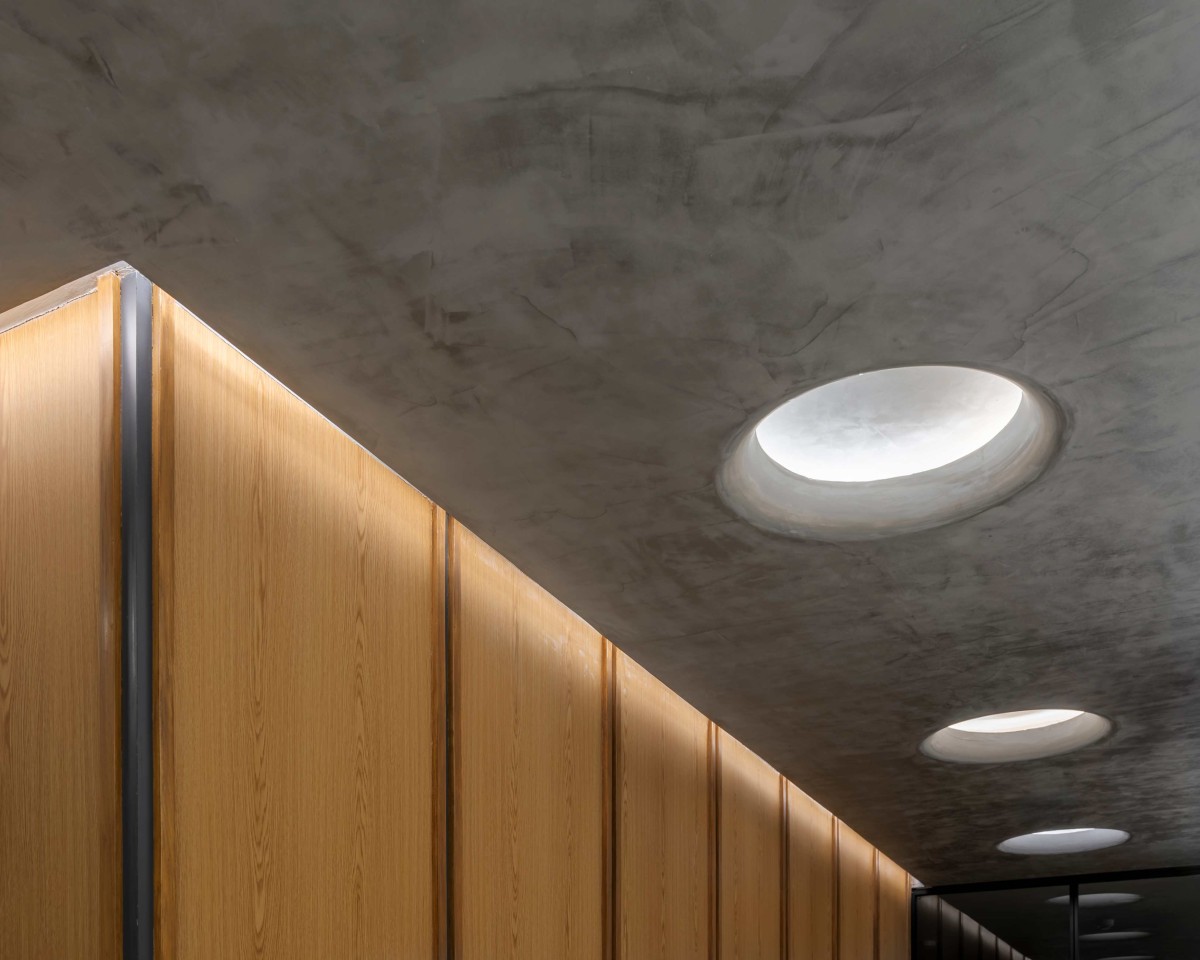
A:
<point x="1108" y="935"/>
<point x="1099" y="899"/>
<point x="890" y="451"/>
<point x="1017" y="735"/>
<point x="1066" y="840"/>
<point x="888" y="423"/>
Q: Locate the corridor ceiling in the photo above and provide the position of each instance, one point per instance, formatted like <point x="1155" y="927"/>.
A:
<point x="546" y="258"/>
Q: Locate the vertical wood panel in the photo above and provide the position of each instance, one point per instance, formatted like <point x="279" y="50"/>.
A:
<point x="297" y="656"/>
<point x="750" y="841"/>
<point x="895" y="894"/>
<point x="529" y="760"/>
<point x="857" y="906"/>
<point x="663" y="821"/>
<point x="60" y="635"/>
<point x="811" y="877"/>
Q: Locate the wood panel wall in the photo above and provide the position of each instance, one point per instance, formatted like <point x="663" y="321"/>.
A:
<point x="857" y="896"/>
<point x="666" y="829"/>
<point x="895" y="914"/>
<point x="374" y="737"/>
<point x="812" y="875"/>
<point x="298" y="673"/>
<point x="531" y="765"/>
<point x="750" y="842"/>
<point x="60" y="634"/>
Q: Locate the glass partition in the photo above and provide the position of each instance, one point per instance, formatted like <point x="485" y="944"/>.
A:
<point x="1133" y="916"/>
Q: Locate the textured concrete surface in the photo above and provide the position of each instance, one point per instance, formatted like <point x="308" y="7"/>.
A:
<point x="545" y="258"/>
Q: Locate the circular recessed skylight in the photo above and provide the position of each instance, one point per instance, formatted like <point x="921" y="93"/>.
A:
<point x="1017" y="735"/>
<point x="1099" y="899"/>
<point x="1108" y="935"/>
<point x="1066" y="840"/>
<point x="890" y="451"/>
<point x="1015" y="721"/>
<point x="889" y="423"/>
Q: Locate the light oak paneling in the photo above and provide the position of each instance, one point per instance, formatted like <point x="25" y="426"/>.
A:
<point x="811" y="877"/>
<point x="60" y="635"/>
<point x="857" y="896"/>
<point x="298" y="661"/>
<point x="530" y="753"/>
<point x="751" y="858"/>
<point x="664" y="835"/>
<point x="895" y="891"/>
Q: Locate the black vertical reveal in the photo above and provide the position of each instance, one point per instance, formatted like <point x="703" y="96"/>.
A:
<point x="1074" y="946"/>
<point x="448" y="587"/>
<point x="137" y="808"/>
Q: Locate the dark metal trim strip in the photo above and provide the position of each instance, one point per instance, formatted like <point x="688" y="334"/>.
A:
<point x="1079" y="878"/>
<point x="137" y="783"/>
<point x="448" y="680"/>
<point x="1074" y="945"/>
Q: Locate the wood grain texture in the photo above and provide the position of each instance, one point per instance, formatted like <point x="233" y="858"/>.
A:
<point x="750" y="839"/>
<point x="895" y="910"/>
<point x="60" y="634"/>
<point x="857" y="897"/>
<point x="663" y="821"/>
<point x="811" y="876"/>
<point x="299" y="596"/>
<point x="529" y="752"/>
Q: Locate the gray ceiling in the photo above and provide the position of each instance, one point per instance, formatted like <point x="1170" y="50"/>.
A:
<point x="546" y="257"/>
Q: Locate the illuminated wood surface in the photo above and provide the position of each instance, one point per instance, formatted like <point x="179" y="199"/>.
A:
<point x="856" y="895"/>
<point x="298" y="662"/>
<point x="664" y="841"/>
<point x="811" y="878"/>
<point x="529" y="745"/>
<point x="60" y="635"/>
<point x="750" y="855"/>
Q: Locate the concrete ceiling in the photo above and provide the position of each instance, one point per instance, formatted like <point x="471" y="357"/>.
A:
<point x="545" y="258"/>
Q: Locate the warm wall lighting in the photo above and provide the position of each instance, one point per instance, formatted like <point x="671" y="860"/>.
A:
<point x="1016" y="735"/>
<point x="1064" y="840"/>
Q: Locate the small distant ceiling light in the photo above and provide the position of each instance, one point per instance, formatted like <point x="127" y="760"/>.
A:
<point x="890" y="451"/>
<point x="1099" y="900"/>
<point x="1017" y="735"/>
<point x="1064" y="840"/>
<point x="1115" y="935"/>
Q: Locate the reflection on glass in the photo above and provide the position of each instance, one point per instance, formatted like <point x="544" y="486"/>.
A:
<point x="1017" y="924"/>
<point x="1157" y="918"/>
<point x="1148" y="919"/>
